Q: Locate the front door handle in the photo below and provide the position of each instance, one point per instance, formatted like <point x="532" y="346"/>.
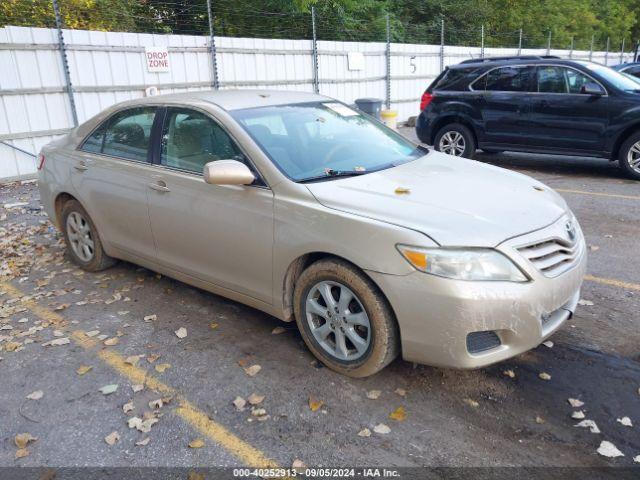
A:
<point x="81" y="166"/>
<point x="159" y="186"/>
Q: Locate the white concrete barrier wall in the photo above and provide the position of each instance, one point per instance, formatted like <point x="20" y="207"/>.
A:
<point x="109" y="67"/>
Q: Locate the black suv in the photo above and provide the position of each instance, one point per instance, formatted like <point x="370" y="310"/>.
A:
<point x="534" y="104"/>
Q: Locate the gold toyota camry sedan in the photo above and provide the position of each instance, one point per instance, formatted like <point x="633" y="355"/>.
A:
<point x="300" y="206"/>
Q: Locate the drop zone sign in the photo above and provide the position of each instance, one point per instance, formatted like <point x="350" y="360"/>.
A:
<point x="157" y="59"/>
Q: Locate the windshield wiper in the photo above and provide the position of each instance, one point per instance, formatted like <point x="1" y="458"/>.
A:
<point x="331" y="173"/>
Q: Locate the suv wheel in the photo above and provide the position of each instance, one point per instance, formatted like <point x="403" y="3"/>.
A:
<point x="83" y="243"/>
<point x="455" y="139"/>
<point x="344" y="319"/>
<point x="629" y="156"/>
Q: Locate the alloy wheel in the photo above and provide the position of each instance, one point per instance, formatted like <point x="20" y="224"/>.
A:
<point x="633" y="157"/>
<point x="452" y="143"/>
<point x="79" y="235"/>
<point x="338" y="321"/>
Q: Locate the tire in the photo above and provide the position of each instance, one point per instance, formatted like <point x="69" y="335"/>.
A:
<point x="73" y="214"/>
<point x="455" y="131"/>
<point x="382" y="337"/>
<point x="629" y="156"/>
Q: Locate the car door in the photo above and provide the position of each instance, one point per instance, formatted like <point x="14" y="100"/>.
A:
<point x="504" y="102"/>
<point x="563" y="118"/>
<point x="110" y="175"/>
<point x="222" y="234"/>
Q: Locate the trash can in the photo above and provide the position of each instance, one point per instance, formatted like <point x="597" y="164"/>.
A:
<point x="390" y="118"/>
<point x="370" y="106"/>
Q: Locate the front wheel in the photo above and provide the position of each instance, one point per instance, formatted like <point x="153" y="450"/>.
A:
<point x="455" y="139"/>
<point x="344" y="319"/>
<point x="629" y="157"/>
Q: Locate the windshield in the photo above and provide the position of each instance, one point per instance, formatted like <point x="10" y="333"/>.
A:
<point x="617" y="79"/>
<point x="317" y="140"/>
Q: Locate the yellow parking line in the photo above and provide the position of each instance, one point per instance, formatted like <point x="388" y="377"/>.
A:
<point x="199" y="420"/>
<point x="597" y="194"/>
<point x="613" y="282"/>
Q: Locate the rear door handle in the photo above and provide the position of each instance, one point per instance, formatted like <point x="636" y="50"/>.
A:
<point x="159" y="186"/>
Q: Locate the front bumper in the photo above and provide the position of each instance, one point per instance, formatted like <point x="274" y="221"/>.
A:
<point x="436" y="315"/>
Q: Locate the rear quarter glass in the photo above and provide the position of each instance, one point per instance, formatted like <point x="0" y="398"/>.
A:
<point x="453" y="79"/>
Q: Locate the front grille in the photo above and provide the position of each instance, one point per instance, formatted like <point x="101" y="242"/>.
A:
<point x="482" y="341"/>
<point x="552" y="257"/>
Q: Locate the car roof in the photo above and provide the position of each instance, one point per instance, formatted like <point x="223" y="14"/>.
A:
<point x="492" y="62"/>
<point x="235" y="99"/>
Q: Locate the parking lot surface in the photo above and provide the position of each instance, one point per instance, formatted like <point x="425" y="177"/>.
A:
<point x="124" y="327"/>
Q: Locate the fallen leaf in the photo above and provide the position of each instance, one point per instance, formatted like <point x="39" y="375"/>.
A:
<point x="21" y="453"/>
<point x="585" y="303"/>
<point x="127" y="407"/>
<point x="365" y="432"/>
<point x="373" y="394"/>
<point x="402" y="190"/>
<point x="626" y="421"/>
<point x="133" y="359"/>
<point x="594" y="248"/>
<point x="590" y="424"/>
<point x="142" y="443"/>
<point x="12" y="346"/>
<point x="509" y="373"/>
<point x="636" y="459"/>
<point x="574" y="402"/>
<point x="82" y="369"/>
<point x="471" y="402"/>
<point x="255" y="399"/>
<point x="278" y="330"/>
<point x="314" y="403"/>
<point x="253" y="370"/>
<point x="399" y="414"/>
<point x="401" y="391"/>
<point x="150" y="318"/>
<point x="608" y="449"/>
<point x="539" y="420"/>
<point x="112" y="438"/>
<point x="161" y="367"/>
<point x="544" y="376"/>
<point x="548" y="344"/>
<point x="239" y="403"/>
<point x="213" y="325"/>
<point x="57" y="342"/>
<point x="181" y="332"/>
<point x="153" y="357"/>
<point x="197" y="443"/>
<point x="258" y="412"/>
<point x="92" y="333"/>
<point x="138" y="387"/>
<point x="23" y="439"/>
<point x="37" y="395"/>
<point x="297" y="463"/>
<point x="108" y="389"/>
<point x="156" y="404"/>
<point x="110" y="342"/>
<point x="382" y="429"/>
<point x="579" y="415"/>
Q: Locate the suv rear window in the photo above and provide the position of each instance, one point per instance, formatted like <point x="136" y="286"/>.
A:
<point x="451" y="79"/>
<point x="506" y="79"/>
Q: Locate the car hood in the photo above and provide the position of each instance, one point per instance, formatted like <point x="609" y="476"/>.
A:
<point x="455" y="201"/>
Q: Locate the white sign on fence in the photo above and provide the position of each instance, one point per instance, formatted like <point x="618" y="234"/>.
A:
<point x="157" y="59"/>
<point x="355" y="60"/>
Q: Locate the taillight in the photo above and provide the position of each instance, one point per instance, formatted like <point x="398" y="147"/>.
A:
<point x="40" y="161"/>
<point x="425" y="100"/>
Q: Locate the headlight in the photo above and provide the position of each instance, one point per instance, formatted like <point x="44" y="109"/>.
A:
<point x="472" y="264"/>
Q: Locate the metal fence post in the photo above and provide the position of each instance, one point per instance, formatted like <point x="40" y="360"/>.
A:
<point x="212" y="45"/>
<point x="314" y="52"/>
<point x="388" y="75"/>
<point x="549" y="44"/>
<point x="482" y="41"/>
<point x="622" y="51"/>
<point x="442" y="44"/>
<point x="591" y="48"/>
<point x="571" y="49"/>
<point x="606" y="53"/>
<point x="65" y="63"/>
<point x="520" y="43"/>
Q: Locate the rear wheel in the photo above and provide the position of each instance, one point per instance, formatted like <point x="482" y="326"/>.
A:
<point x="455" y="139"/>
<point x="629" y="156"/>
<point x="344" y="319"/>
<point x="83" y="243"/>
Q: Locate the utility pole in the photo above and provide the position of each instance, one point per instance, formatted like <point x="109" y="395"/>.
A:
<point x="65" y="63"/>
<point x="591" y="49"/>
<point x="606" y="53"/>
<point x="622" y="51"/>
<point x="482" y="41"/>
<point x="571" y="49"/>
<point x="212" y="42"/>
<point x="442" y="44"/>
<point x="314" y="52"/>
<point x="388" y="73"/>
<point x="520" y="43"/>
<point x="549" y="44"/>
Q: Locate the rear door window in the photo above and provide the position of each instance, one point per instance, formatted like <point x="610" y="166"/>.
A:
<point x="125" y="135"/>
<point x="552" y="80"/>
<point x="506" y="79"/>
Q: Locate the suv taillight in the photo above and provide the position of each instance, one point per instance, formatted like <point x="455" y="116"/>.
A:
<point x="425" y="100"/>
<point x="40" y="161"/>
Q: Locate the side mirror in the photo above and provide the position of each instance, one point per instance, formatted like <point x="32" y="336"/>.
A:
<point x="592" y="88"/>
<point x="227" y="172"/>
